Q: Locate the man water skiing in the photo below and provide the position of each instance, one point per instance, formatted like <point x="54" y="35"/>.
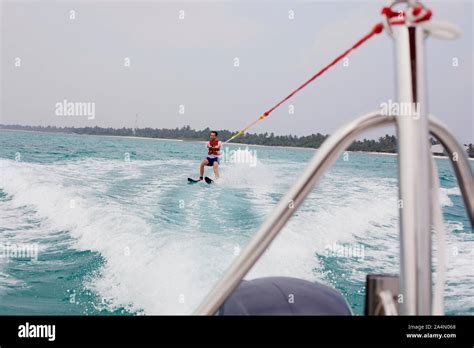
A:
<point x="213" y="152"/>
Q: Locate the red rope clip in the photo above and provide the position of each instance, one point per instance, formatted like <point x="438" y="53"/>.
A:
<point x="415" y="14"/>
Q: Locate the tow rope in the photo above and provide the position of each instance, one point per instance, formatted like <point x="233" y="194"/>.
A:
<point x="415" y="14"/>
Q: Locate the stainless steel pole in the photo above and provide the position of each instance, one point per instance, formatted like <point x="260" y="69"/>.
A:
<point x="460" y="162"/>
<point x="414" y="171"/>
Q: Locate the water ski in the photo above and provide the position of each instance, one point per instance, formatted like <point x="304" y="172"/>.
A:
<point x="208" y="180"/>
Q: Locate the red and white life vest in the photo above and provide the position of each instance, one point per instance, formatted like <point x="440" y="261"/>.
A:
<point x="214" y="143"/>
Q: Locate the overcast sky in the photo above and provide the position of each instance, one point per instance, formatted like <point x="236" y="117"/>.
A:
<point x="190" y="62"/>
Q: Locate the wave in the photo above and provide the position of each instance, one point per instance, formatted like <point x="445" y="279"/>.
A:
<point x="444" y="194"/>
<point x="163" y="244"/>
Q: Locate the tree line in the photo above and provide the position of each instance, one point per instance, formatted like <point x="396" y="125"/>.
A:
<point x="387" y="143"/>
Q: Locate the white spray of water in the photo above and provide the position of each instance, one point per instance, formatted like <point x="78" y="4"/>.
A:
<point x="155" y="270"/>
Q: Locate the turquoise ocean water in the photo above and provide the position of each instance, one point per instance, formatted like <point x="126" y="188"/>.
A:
<point x="119" y="231"/>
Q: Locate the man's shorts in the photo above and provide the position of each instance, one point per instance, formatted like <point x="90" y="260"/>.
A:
<point x="212" y="160"/>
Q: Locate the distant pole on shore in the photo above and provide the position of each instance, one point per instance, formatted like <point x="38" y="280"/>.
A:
<point x="135" y="127"/>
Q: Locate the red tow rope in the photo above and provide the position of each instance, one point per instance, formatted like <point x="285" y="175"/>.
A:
<point x="377" y="29"/>
<point x="419" y="13"/>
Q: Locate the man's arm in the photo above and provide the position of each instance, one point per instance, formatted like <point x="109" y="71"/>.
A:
<point x="218" y="147"/>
